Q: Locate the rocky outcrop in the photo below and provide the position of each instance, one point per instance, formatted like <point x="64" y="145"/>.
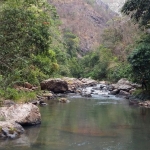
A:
<point x="88" y="82"/>
<point x="10" y="129"/>
<point x="66" y="84"/>
<point x="86" y="19"/>
<point x="123" y="84"/>
<point x="74" y="83"/>
<point x="26" y="87"/>
<point x="54" y="85"/>
<point x="124" y="87"/>
<point x="24" y="114"/>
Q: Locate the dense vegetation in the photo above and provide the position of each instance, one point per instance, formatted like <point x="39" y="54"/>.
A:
<point x="29" y="42"/>
<point x="139" y="58"/>
<point x="33" y="48"/>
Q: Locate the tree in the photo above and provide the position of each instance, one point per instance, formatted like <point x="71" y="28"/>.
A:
<point x="140" y="58"/>
<point x="138" y="10"/>
<point x="72" y="43"/>
<point x="96" y="63"/>
<point x="25" y="38"/>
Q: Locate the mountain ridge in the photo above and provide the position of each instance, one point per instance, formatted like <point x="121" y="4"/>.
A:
<point x="85" y="18"/>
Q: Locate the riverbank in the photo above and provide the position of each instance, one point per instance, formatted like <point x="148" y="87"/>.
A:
<point x="56" y="90"/>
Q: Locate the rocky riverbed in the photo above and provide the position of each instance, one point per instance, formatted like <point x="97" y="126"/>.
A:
<point x="14" y="116"/>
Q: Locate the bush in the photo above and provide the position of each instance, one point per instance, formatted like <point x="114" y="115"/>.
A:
<point x="122" y="70"/>
<point x="11" y="94"/>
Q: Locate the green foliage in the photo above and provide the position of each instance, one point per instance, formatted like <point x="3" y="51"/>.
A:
<point x="11" y="93"/>
<point x="96" y="63"/>
<point x="26" y="34"/>
<point x="138" y="10"/>
<point x="121" y="70"/>
<point x="140" y="58"/>
<point x="46" y="63"/>
<point x="75" y="67"/>
<point x="30" y="45"/>
<point x="33" y="75"/>
<point x="72" y="43"/>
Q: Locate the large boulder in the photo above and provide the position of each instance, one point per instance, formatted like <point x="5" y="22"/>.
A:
<point x="54" y="85"/>
<point x="88" y="82"/>
<point x="123" y="84"/>
<point x="24" y="114"/>
<point x="115" y="92"/>
<point x="124" y="81"/>
<point x="10" y="129"/>
<point x="73" y="83"/>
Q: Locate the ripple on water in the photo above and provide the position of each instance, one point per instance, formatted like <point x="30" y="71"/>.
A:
<point x="106" y="103"/>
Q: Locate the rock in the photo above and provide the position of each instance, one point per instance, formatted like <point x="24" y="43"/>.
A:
<point x="114" y="92"/>
<point x="123" y="84"/>
<point x="48" y="95"/>
<point x="24" y="114"/>
<point x="35" y="102"/>
<point x="124" y="81"/>
<point x="86" y="95"/>
<point x="54" y="85"/>
<point x="28" y="85"/>
<point x="101" y="86"/>
<point x="8" y="103"/>
<point x="110" y="88"/>
<point x="145" y="103"/>
<point x="73" y="84"/>
<point x="133" y="102"/>
<point x="63" y="100"/>
<point x="124" y="93"/>
<point x="89" y="82"/>
<point x="34" y="88"/>
<point x="103" y="82"/>
<point x="135" y="85"/>
<point x="122" y="87"/>
<point x="10" y="129"/>
<point x="132" y="91"/>
<point x="125" y="87"/>
<point x="42" y="103"/>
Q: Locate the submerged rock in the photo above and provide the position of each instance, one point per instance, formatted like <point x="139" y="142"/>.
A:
<point x="63" y="100"/>
<point x="10" y="129"/>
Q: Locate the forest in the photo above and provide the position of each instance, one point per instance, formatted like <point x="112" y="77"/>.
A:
<point x="34" y="48"/>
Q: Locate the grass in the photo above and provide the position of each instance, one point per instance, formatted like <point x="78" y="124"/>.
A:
<point x="17" y="96"/>
<point x="142" y="94"/>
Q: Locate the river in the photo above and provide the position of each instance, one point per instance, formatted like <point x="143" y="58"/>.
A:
<point x="99" y="123"/>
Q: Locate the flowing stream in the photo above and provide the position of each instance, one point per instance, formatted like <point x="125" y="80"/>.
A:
<point x="95" y="123"/>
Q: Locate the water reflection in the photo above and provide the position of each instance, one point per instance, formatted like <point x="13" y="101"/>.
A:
<point x="25" y="140"/>
<point x="87" y="124"/>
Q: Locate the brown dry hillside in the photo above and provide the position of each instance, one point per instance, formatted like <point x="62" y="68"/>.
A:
<point x="85" y="18"/>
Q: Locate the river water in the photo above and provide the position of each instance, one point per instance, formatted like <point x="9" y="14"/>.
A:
<point x="99" y="123"/>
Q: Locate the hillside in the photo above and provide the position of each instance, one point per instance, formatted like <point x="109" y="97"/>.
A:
<point x="114" y="4"/>
<point x="85" y="18"/>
